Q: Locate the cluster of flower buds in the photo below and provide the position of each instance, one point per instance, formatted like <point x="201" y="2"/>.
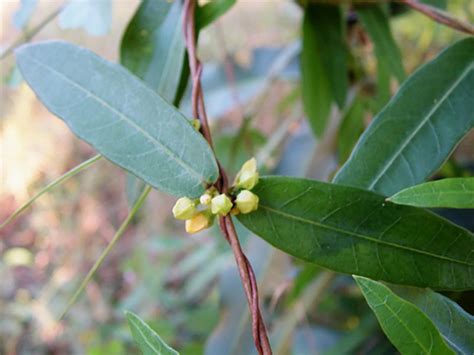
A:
<point x="200" y="213"/>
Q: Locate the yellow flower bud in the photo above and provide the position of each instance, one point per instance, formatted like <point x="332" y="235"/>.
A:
<point x="247" y="177"/>
<point x="184" y="208"/>
<point x="246" y="201"/>
<point x="196" y="124"/>
<point x="206" y="199"/>
<point x="221" y="205"/>
<point x="197" y="223"/>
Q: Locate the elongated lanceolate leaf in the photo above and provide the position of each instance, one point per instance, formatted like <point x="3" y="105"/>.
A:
<point x="351" y="128"/>
<point x="411" y="331"/>
<point x="420" y="126"/>
<point x="153" y="46"/>
<point x="377" y="25"/>
<point x="449" y="193"/>
<point x="120" y="116"/>
<point x="355" y="231"/>
<point x="146" y="338"/>
<point x="455" y="324"/>
<point x="323" y="63"/>
<point x="389" y="59"/>
<point x="153" y="49"/>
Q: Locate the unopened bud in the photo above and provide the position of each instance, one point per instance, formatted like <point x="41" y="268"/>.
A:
<point x="246" y="201"/>
<point x="184" y="208"/>
<point x="198" y="222"/>
<point x="205" y="199"/>
<point x="221" y="205"/>
<point x="196" y="124"/>
<point x="247" y="177"/>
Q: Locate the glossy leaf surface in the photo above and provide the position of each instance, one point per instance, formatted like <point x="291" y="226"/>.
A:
<point x="120" y="116"/>
<point x="356" y="231"/>
<point x="449" y="193"/>
<point x="455" y="324"/>
<point x="146" y="338"/>
<point x="411" y="331"/>
<point x="414" y="134"/>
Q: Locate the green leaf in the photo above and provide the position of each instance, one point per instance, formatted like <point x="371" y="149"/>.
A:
<point x="355" y="231"/>
<point x="153" y="49"/>
<point x="153" y="46"/>
<point x="121" y="117"/>
<point x="455" y="325"/>
<point x="389" y="61"/>
<point x="411" y="138"/>
<point x="146" y="338"/>
<point x="351" y="128"/>
<point x="377" y="25"/>
<point x="207" y="14"/>
<point x="324" y="61"/>
<point x="438" y="3"/>
<point x="411" y="331"/>
<point x="449" y="193"/>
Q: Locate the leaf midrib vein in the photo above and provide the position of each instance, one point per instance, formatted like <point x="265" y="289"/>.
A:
<point x="361" y="236"/>
<point x="125" y="118"/>
<point x="420" y="125"/>
<point x="385" y="304"/>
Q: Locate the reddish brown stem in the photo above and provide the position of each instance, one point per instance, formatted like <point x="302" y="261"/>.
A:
<point x="440" y="16"/>
<point x="250" y="286"/>
<point x="247" y="275"/>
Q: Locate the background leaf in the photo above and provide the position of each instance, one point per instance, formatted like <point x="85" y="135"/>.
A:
<point x="449" y="193"/>
<point x="438" y="3"/>
<point x="355" y="231"/>
<point x="389" y="60"/>
<point x="454" y="323"/>
<point x="414" y="134"/>
<point x="351" y="128"/>
<point x="95" y="16"/>
<point x="324" y="62"/>
<point x="153" y="46"/>
<point x="377" y="25"/>
<point x="209" y="12"/>
<point x="147" y="340"/>
<point x="401" y="321"/>
<point x="144" y="134"/>
<point x="153" y="49"/>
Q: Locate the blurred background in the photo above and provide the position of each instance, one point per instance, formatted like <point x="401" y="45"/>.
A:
<point x="186" y="287"/>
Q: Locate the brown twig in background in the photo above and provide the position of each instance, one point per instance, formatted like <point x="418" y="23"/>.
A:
<point x="28" y="34"/>
<point x="247" y="275"/>
<point x="440" y="16"/>
<point x="430" y="11"/>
